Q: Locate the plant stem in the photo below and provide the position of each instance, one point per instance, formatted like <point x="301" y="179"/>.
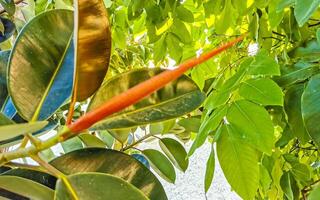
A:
<point x="115" y="104"/>
<point x="56" y="173"/>
<point x="138" y="92"/>
<point x="137" y="142"/>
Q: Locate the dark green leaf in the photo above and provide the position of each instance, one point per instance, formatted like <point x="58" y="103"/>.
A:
<point x="11" y="131"/>
<point x="160" y="164"/>
<point x="184" y="14"/>
<point x="4" y="56"/>
<point x="285" y="183"/>
<point x="101" y="186"/>
<point x="304" y="9"/>
<point x="175" y="152"/>
<point x="160" y="106"/>
<point x="310" y="108"/>
<point x="44" y="82"/>
<point x="114" y="163"/>
<point x="21" y="187"/>
<point x="298" y="74"/>
<point x="37" y="176"/>
<point x="309" y="52"/>
<point x="293" y="110"/>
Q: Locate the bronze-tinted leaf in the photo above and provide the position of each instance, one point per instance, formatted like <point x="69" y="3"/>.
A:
<point x="93" y="46"/>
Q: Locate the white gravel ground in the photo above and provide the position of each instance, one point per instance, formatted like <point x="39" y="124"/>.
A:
<point x="190" y="185"/>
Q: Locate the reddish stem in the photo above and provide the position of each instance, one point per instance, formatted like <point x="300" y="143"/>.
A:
<point x="140" y="91"/>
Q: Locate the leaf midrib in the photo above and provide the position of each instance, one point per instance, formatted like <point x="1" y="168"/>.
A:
<point x="44" y="96"/>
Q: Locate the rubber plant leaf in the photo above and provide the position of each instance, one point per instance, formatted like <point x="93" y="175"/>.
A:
<point x="92" y="39"/>
<point x="44" y="49"/>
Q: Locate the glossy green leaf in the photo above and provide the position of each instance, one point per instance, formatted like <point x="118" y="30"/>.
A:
<point x="264" y="65"/>
<point x="210" y="124"/>
<point x="44" y="49"/>
<point x="253" y="123"/>
<point x="111" y="162"/>
<point x="310" y="51"/>
<point x="263" y="91"/>
<point x="175" y="152"/>
<point x="9" y="6"/>
<point x="24" y="188"/>
<point x="91" y="140"/>
<point x="310" y="108"/>
<point x="298" y="74"/>
<point x="209" y="170"/>
<point x="37" y="176"/>
<point x="4" y="56"/>
<point x="101" y="186"/>
<point x="239" y="162"/>
<point x="11" y="131"/>
<point x="160" y="106"/>
<point x="160" y="164"/>
<point x="292" y="107"/>
<point x="93" y="46"/>
<point x="304" y="9"/>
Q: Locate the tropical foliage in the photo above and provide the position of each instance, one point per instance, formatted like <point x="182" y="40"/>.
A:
<point x="66" y="69"/>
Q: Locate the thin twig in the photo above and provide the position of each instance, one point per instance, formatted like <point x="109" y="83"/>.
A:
<point x="136" y="142"/>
